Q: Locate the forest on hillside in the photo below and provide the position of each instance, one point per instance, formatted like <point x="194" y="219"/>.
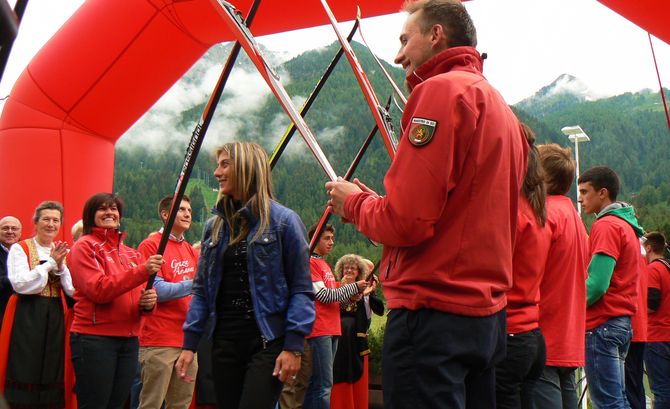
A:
<point x="628" y="133"/>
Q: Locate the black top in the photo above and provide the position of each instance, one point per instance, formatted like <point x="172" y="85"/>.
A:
<point x="234" y="308"/>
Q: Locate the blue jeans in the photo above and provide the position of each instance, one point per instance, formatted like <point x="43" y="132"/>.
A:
<point x="606" y="349"/>
<point x="556" y="389"/>
<point x="320" y="384"/>
<point x="657" y="360"/>
<point x="105" y="367"/>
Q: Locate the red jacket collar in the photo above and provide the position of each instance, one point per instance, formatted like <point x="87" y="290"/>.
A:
<point x="455" y="58"/>
<point x="114" y="236"/>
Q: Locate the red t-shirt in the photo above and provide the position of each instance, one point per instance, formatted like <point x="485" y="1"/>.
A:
<point x="614" y="237"/>
<point x="563" y="287"/>
<point x="639" y="320"/>
<point x="530" y="255"/>
<point x="659" y="322"/>
<point x="163" y="328"/>
<point x="327" y="322"/>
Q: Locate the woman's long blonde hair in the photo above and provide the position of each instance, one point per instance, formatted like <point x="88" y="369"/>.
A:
<point x="253" y="185"/>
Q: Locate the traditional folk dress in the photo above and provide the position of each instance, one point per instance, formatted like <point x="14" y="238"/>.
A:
<point x="33" y="342"/>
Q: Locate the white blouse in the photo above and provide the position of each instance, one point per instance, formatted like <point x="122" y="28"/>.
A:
<point x="27" y="281"/>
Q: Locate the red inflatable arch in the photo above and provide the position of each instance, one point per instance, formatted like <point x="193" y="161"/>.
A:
<point x="112" y="61"/>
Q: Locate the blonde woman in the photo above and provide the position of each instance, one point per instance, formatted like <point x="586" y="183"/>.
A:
<point x="253" y="281"/>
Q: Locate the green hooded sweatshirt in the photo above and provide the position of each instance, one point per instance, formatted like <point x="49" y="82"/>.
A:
<point x="602" y="266"/>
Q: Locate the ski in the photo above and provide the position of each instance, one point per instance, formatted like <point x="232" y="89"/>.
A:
<point x="310" y="100"/>
<point x="235" y="23"/>
<point x="327" y="212"/>
<point x="395" y="87"/>
<point x="382" y="118"/>
<point x="195" y="143"/>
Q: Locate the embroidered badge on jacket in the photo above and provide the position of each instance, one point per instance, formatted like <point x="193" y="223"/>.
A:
<point x="421" y="131"/>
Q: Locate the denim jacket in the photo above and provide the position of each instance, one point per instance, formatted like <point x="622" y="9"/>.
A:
<point x="279" y="279"/>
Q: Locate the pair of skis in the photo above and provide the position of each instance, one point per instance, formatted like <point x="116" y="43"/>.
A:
<point x="382" y="119"/>
<point x="245" y="40"/>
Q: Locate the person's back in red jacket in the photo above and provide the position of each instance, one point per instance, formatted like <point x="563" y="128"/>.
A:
<point x="447" y="220"/>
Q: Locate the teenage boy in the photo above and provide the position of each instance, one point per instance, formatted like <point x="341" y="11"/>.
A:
<point x="313" y="391"/>
<point x="161" y="337"/>
<point x="611" y="287"/>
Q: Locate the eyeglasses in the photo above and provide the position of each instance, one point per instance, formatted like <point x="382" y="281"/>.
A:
<point x="10" y="228"/>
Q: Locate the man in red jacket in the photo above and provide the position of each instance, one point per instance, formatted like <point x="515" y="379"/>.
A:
<point x="451" y="191"/>
<point x="161" y="337"/>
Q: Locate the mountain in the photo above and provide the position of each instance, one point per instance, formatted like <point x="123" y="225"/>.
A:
<point x="562" y="92"/>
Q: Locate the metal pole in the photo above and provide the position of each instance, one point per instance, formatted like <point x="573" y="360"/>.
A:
<point x="579" y="208"/>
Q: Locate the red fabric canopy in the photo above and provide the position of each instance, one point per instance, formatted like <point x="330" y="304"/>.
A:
<point x="651" y="15"/>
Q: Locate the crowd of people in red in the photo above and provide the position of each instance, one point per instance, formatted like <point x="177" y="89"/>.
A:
<point x="496" y="293"/>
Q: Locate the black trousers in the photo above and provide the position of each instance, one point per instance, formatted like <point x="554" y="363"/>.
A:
<point x="105" y="368"/>
<point x="433" y="359"/>
<point x="634" y="374"/>
<point x="242" y="370"/>
<point x="517" y="373"/>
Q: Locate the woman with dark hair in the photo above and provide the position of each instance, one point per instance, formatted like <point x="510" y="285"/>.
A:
<point x="350" y="369"/>
<point x="526" y="350"/>
<point x="253" y="281"/>
<point x="109" y="278"/>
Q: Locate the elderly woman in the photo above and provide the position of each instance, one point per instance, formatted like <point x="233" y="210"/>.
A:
<point x="34" y="324"/>
<point x="109" y="278"/>
<point x="253" y="282"/>
<point x="350" y="370"/>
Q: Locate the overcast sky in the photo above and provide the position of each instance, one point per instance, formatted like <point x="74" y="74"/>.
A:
<point x="529" y="43"/>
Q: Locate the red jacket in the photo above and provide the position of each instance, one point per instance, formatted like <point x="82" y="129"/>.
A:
<point x="448" y="219"/>
<point x="108" y="278"/>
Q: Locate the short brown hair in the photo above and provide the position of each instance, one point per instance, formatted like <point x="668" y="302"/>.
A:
<point x="657" y="242"/>
<point x="559" y="168"/>
<point x="47" y="205"/>
<point x="94" y="203"/>
<point x="166" y="202"/>
<point x="450" y="14"/>
<point x="312" y="230"/>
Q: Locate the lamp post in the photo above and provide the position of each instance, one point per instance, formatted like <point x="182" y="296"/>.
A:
<point x="576" y="135"/>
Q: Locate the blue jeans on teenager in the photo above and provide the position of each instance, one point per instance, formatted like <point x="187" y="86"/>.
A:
<point x="321" y="383"/>
<point x="657" y="361"/>
<point x="606" y="349"/>
<point x="104" y="367"/>
<point x="556" y="389"/>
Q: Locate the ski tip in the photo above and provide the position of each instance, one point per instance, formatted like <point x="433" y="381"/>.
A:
<point x="358" y="12"/>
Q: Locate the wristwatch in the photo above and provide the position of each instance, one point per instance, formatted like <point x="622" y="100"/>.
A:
<point x="296" y="353"/>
